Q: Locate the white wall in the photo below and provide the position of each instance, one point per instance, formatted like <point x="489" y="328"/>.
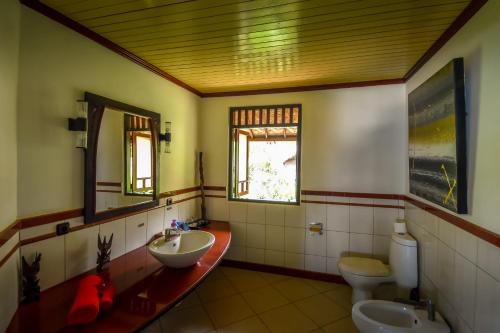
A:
<point x="57" y="66"/>
<point x="9" y="53"/>
<point x="479" y="44"/>
<point x="352" y="139"/>
<point x="457" y="269"/>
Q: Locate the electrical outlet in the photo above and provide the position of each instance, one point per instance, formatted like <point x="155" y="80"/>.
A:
<point x="169" y="201"/>
<point x="62" y="228"/>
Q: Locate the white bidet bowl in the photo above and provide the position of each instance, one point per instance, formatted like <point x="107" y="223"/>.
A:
<point x="377" y="316"/>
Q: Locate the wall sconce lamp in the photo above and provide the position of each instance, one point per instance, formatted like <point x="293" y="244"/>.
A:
<point x="79" y="124"/>
<point x="167" y="136"/>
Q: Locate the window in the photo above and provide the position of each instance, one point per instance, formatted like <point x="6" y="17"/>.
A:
<point x="139" y="156"/>
<point x="264" y="161"/>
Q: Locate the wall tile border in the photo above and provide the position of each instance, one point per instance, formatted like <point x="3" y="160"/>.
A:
<point x="480" y="232"/>
<point x="39" y="220"/>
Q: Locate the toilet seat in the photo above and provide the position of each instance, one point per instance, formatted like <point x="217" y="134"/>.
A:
<point x="363" y="267"/>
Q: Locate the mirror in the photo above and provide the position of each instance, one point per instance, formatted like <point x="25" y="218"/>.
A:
<point x="122" y="162"/>
<point x="124" y="166"/>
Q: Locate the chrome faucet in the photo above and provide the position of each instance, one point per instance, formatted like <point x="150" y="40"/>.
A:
<point x="426" y="304"/>
<point x="171" y="234"/>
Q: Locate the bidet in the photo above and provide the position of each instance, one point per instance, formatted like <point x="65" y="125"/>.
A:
<point x="428" y="305"/>
<point x="377" y="316"/>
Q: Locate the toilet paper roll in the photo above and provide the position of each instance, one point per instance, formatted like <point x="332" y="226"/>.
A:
<point x="400" y="227"/>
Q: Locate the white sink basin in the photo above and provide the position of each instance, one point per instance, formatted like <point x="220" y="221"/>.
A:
<point x="184" y="250"/>
<point x="375" y="316"/>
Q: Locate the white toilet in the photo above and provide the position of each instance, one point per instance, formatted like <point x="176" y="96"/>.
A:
<point x="365" y="274"/>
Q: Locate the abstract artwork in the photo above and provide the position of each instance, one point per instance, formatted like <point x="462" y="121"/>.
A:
<point x="437" y="146"/>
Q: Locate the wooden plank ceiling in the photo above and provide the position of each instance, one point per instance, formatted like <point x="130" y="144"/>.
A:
<point x="234" y="45"/>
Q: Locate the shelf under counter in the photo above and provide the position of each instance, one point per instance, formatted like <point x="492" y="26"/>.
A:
<point x="145" y="290"/>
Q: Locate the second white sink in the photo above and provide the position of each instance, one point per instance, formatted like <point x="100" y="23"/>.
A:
<point x="184" y="250"/>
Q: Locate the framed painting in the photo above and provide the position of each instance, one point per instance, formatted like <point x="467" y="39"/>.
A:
<point x="437" y="142"/>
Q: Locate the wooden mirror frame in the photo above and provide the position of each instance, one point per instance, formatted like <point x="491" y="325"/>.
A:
<point x="96" y="106"/>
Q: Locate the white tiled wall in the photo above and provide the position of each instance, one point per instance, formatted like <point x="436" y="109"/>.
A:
<point x="459" y="271"/>
<point x="117" y="228"/>
<point x="52" y="268"/>
<point x="135" y="231"/>
<point x="156" y="221"/>
<point x="74" y="253"/>
<point x="81" y="254"/>
<point x="276" y="234"/>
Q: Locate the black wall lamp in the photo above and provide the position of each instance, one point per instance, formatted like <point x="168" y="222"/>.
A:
<point x="167" y="136"/>
<point x="77" y="124"/>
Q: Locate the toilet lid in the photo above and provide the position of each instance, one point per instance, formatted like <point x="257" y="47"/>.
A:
<point x="363" y="266"/>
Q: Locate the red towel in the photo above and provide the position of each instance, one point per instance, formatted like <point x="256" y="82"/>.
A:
<point x="107" y="296"/>
<point x="86" y="305"/>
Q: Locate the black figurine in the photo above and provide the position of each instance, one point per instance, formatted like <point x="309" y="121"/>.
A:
<point x="203" y="222"/>
<point x="31" y="286"/>
<point x="104" y="254"/>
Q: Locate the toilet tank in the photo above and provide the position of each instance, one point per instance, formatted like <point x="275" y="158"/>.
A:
<point x="403" y="260"/>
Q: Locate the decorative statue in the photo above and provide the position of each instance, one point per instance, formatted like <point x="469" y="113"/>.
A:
<point x="104" y="254"/>
<point x="204" y="220"/>
<point x="31" y="286"/>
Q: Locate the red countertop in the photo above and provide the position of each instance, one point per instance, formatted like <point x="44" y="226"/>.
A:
<point x="145" y="291"/>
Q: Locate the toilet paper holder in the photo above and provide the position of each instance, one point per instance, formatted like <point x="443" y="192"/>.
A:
<point x="316" y="227"/>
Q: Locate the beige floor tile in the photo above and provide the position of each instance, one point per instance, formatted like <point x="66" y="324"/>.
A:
<point x="191" y="320"/>
<point x="228" y="310"/>
<point x="217" y="303"/>
<point x="341" y="296"/>
<point x="321" y="309"/>
<point x="295" y="289"/>
<point x="190" y="301"/>
<point x="234" y="272"/>
<point x="264" y="299"/>
<point x="250" y="325"/>
<point x="287" y="319"/>
<point x="342" y="326"/>
<point x="272" y="278"/>
<point x="323" y="286"/>
<point x="212" y="290"/>
<point x="246" y="280"/>
<point x="215" y="274"/>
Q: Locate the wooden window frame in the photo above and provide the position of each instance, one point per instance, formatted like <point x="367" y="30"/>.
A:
<point x="242" y="185"/>
<point x="134" y="164"/>
<point x="249" y="113"/>
<point x="131" y="183"/>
